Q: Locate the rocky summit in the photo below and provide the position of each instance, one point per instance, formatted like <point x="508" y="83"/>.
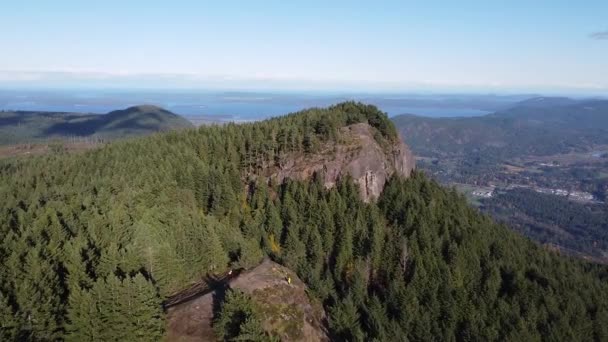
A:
<point x="356" y="153"/>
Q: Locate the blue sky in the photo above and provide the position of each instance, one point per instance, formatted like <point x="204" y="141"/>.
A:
<point x="489" y="46"/>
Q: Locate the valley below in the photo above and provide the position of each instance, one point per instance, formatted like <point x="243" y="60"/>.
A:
<point x="568" y="192"/>
<point x="550" y="184"/>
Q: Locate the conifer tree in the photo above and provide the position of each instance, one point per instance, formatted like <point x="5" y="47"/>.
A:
<point x="9" y="325"/>
<point x="84" y="320"/>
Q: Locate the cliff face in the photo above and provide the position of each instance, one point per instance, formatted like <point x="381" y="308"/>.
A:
<point x="358" y="154"/>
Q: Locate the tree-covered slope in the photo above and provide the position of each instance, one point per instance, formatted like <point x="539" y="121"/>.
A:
<point x="540" y="126"/>
<point x="578" y="228"/>
<point x="26" y="127"/>
<point x="93" y="243"/>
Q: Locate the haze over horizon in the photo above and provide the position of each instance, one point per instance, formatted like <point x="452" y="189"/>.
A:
<point x="549" y="47"/>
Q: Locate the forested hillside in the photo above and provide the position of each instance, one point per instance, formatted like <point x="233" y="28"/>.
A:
<point x="554" y="220"/>
<point x="544" y="144"/>
<point x="28" y="127"/>
<point x="539" y="126"/>
<point x="93" y="243"/>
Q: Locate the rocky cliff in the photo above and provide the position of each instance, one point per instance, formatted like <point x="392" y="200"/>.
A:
<point x="356" y="153"/>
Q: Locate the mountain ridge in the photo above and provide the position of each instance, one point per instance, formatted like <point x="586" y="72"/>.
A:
<point x="535" y="130"/>
<point x="30" y="126"/>
<point x="515" y="163"/>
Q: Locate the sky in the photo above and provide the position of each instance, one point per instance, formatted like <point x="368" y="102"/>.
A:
<point x="459" y="46"/>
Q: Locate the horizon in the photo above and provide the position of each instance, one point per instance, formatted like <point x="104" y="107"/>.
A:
<point x="237" y="106"/>
<point x="549" y="47"/>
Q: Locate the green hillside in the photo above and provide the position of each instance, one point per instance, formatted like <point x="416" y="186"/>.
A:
<point x="541" y="126"/>
<point x="541" y="143"/>
<point x="94" y="242"/>
<point x="27" y="127"/>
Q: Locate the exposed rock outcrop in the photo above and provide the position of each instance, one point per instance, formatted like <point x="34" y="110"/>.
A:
<point x="357" y="154"/>
<point x="286" y="310"/>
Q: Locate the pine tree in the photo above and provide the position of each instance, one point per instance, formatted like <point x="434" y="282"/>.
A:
<point x="250" y="254"/>
<point x="145" y="311"/>
<point x="344" y="321"/>
<point x="38" y="296"/>
<point x="84" y="320"/>
<point x="9" y="324"/>
<point x="273" y="223"/>
<point x="237" y="317"/>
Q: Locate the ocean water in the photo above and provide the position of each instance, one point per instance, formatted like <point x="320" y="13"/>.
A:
<point x="236" y="106"/>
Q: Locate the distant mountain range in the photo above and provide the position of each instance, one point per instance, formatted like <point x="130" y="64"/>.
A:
<point x="29" y="126"/>
<point x="538" y="126"/>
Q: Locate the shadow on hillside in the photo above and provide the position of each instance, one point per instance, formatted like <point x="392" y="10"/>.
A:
<point x="24" y="118"/>
<point x="108" y="123"/>
<point x="151" y="121"/>
<point x="10" y="121"/>
<point x="78" y="128"/>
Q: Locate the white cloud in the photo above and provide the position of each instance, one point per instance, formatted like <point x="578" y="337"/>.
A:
<point x="127" y="79"/>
